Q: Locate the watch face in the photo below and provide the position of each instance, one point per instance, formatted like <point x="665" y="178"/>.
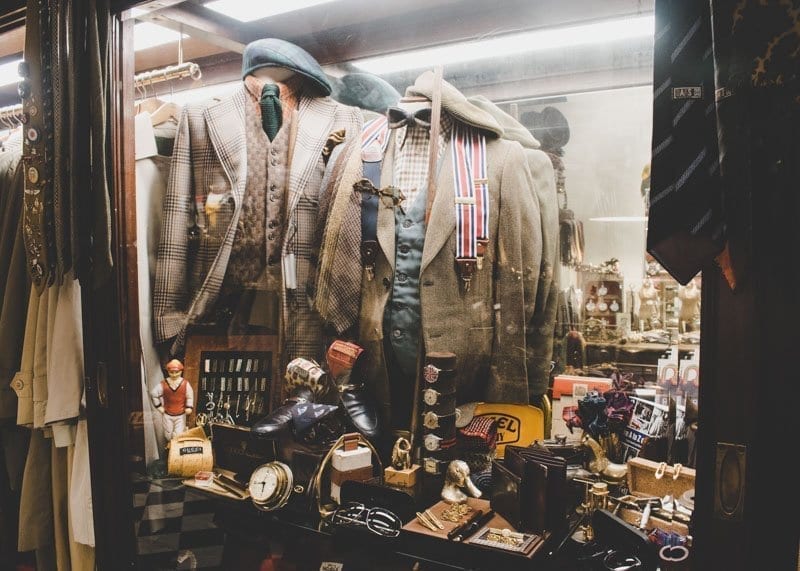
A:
<point x="602" y="306"/>
<point x="431" y="420"/>
<point x="430" y="397"/>
<point x="263" y="483"/>
<point x="432" y="442"/>
<point x="614" y="306"/>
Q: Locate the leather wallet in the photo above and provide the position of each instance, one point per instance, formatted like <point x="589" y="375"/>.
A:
<point x="505" y="497"/>
<point x="543" y="487"/>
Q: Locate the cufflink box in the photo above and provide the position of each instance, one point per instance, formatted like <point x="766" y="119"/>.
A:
<point x="406" y="478"/>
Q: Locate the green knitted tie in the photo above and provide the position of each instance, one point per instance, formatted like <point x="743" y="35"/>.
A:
<point x="271" y="114"/>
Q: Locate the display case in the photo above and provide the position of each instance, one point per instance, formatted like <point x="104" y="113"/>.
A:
<point x="569" y="92"/>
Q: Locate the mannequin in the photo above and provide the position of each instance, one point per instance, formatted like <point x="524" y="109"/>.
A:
<point x="649" y="314"/>
<point x="415" y="298"/>
<point x="248" y="256"/>
<point x="690" y="306"/>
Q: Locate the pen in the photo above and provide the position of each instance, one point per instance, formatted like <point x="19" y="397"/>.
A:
<point x="470" y="527"/>
<point x="460" y="528"/>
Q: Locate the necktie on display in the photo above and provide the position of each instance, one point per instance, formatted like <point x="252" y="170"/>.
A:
<point x="271" y="112"/>
<point x="685" y="227"/>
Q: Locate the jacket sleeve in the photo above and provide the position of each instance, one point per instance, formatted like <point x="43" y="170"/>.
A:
<point x="542" y="326"/>
<point x="170" y="291"/>
<point x="517" y="276"/>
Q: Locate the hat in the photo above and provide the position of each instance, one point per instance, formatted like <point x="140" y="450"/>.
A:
<point x="514" y="130"/>
<point x="365" y="91"/>
<point x="454" y="102"/>
<point x="174" y="365"/>
<point x="549" y="126"/>
<point x="272" y="52"/>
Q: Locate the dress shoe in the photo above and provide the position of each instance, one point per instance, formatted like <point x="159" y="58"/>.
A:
<point x="279" y="419"/>
<point x="361" y="410"/>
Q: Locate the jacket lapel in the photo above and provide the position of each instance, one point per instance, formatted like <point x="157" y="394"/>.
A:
<point x="386" y="220"/>
<point x="314" y="117"/>
<point x="443" y="216"/>
<point x="225" y="120"/>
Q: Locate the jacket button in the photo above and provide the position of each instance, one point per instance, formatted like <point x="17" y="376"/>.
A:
<point x="271" y="236"/>
<point x="387" y="283"/>
<point x="402" y="277"/>
<point x="407" y="223"/>
<point x="272" y="223"/>
<point x="397" y="333"/>
<point x="273" y="197"/>
<point x="404" y="249"/>
<point x="18" y="384"/>
<point x="273" y="187"/>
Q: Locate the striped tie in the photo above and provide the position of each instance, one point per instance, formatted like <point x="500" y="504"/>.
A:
<point x="685" y="229"/>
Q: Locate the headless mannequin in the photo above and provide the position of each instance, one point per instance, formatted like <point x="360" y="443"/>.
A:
<point x="648" y="308"/>
<point x="690" y="305"/>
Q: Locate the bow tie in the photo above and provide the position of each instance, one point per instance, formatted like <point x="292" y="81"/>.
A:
<point x="399" y="117"/>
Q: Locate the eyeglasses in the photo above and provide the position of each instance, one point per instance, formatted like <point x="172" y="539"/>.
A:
<point x="377" y="520"/>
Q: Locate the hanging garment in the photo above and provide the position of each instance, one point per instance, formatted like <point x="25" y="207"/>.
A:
<point x="541" y="329"/>
<point x="210" y="156"/>
<point x="685" y="228"/>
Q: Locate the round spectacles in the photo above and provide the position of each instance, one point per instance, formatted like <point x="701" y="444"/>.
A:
<point x="377" y="520"/>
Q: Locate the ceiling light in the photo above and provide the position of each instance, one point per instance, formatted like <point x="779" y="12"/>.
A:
<point x="251" y="11"/>
<point x="147" y="35"/>
<point x="539" y="40"/>
<point x="8" y="73"/>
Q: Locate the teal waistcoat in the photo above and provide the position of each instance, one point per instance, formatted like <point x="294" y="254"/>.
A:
<point x="402" y="315"/>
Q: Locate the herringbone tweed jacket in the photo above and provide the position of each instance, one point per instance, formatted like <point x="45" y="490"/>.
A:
<point x="210" y="161"/>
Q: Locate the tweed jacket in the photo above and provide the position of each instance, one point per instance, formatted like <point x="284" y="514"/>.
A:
<point x="485" y="327"/>
<point x="209" y="161"/>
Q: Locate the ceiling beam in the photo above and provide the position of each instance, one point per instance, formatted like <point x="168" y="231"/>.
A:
<point x="201" y="23"/>
<point x="12" y="17"/>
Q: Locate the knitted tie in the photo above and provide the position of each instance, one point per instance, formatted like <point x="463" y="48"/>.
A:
<point x="271" y="114"/>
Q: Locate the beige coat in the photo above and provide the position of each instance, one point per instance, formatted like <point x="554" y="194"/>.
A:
<point x="486" y="326"/>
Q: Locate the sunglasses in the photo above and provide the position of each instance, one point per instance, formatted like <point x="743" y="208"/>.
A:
<point x="377" y="520"/>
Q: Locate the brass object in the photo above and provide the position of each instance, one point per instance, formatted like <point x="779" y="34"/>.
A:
<point x="401" y="454"/>
<point x="456" y="512"/>
<point x="600" y="464"/>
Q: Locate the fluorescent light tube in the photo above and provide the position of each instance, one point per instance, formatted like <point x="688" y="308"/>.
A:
<point x="248" y="11"/>
<point x="8" y="73"/>
<point x="619" y="219"/>
<point x="147" y="35"/>
<point x="539" y="40"/>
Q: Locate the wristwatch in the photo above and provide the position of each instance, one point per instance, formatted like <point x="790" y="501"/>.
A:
<point x="434" y="442"/>
<point x="432" y="421"/>
<point x="432" y="397"/>
<point x="271" y="486"/>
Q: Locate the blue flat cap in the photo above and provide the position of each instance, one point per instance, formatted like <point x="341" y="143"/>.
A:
<point x="272" y="52"/>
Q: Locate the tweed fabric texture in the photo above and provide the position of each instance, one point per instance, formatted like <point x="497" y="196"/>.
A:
<point x="210" y="157"/>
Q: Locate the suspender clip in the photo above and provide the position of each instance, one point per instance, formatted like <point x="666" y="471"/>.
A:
<point x="481" y="251"/>
<point x="466" y="269"/>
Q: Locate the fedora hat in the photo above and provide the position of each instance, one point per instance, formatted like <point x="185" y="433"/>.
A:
<point x="514" y="130"/>
<point x="454" y="102"/>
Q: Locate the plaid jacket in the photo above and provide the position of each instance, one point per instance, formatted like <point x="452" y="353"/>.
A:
<point x="209" y="162"/>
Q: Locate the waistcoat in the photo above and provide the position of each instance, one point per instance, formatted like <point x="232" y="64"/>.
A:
<point x="174" y="401"/>
<point x="402" y="316"/>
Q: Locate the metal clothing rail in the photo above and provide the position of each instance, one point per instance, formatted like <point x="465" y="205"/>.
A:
<point x="180" y="71"/>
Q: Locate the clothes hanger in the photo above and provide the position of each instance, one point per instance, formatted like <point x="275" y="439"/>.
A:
<point x="168" y="111"/>
<point x="148" y="104"/>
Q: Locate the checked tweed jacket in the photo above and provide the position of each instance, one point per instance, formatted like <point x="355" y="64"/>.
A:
<point x="209" y="161"/>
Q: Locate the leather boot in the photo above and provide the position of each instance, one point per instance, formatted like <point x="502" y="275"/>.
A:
<point x="280" y="419"/>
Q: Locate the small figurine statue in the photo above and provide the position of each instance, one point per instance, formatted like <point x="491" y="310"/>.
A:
<point x="457" y="484"/>
<point x="174" y="399"/>
<point x="401" y="454"/>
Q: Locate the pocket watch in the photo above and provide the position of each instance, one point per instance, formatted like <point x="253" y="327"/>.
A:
<point x="271" y="485"/>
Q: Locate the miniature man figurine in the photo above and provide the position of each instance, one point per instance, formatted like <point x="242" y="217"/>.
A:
<point x="174" y="399"/>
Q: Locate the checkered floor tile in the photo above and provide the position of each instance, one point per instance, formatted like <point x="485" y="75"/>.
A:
<point x="175" y="528"/>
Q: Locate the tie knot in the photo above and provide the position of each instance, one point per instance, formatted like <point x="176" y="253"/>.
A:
<point x="270" y="90"/>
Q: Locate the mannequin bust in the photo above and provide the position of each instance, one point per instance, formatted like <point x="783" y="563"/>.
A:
<point x="649" y="305"/>
<point x="690" y="305"/>
<point x="457" y="484"/>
